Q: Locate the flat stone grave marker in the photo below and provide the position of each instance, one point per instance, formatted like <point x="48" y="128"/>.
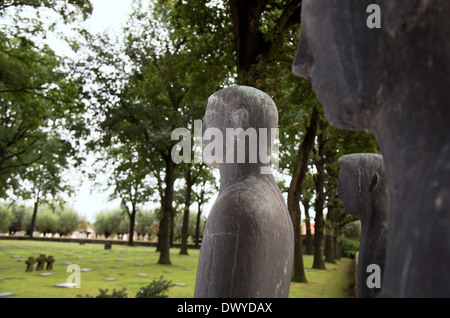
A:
<point x="6" y="294"/>
<point x="66" y="285"/>
<point x="167" y="272"/>
<point x="187" y="268"/>
<point x="16" y="256"/>
<point x="119" y="260"/>
<point x="179" y="284"/>
<point x="96" y="262"/>
<point x="115" y="267"/>
<point x="85" y="270"/>
<point x="139" y="264"/>
<point x="142" y="275"/>
<point x="67" y="263"/>
<point x="46" y="274"/>
<point x="110" y="279"/>
<point x="81" y="257"/>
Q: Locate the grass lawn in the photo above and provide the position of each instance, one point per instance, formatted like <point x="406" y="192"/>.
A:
<point x="125" y="263"/>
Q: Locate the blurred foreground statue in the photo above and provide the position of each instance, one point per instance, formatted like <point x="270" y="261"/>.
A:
<point x="248" y="242"/>
<point x="394" y="82"/>
<point x="363" y="190"/>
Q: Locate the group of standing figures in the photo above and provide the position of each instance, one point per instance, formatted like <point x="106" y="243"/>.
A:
<point x="392" y="81"/>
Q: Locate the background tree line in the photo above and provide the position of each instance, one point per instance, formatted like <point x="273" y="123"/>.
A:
<point x="122" y="96"/>
<point x="51" y="220"/>
<point x="64" y="221"/>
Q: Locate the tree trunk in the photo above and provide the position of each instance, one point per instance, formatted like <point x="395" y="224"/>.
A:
<point x="295" y="188"/>
<point x="167" y="219"/>
<point x="199" y="213"/>
<point x="329" y="248"/>
<point x="33" y="219"/>
<point x="132" y="225"/>
<point x="187" y="204"/>
<point x="309" y="248"/>
<point x="318" y="262"/>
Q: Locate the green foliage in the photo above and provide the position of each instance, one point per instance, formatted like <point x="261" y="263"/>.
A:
<point x="146" y="222"/>
<point x="47" y="221"/>
<point x="107" y="223"/>
<point x="104" y="294"/>
<point x="40" y="100"/>
<point x="68" y="221"/>
<point x="67" y="9"/>
<point x="155" y="289"/>
<point x="178" y="223"/>
<point x="349" y="247"/>
<point x="6" y="218"/>
<point x="352" y="229"/>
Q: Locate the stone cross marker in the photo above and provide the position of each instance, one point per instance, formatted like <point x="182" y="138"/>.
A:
<point x="30" y="262"/>
<point x="364" y="192"/>
<point x="394" y="82"/>
<point x="50" y="260"/>
<point x="248" y="242"/>
<point x="41" y="262"/>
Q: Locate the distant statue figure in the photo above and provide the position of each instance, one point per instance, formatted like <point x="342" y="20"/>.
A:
<point x="30" y="262"/>
<point x="248" y="242"/>
<point x="40" y="262"/>
<point x="363" y="190"/>
<point x="50" y="260"/>
<point x="394" y="82"/>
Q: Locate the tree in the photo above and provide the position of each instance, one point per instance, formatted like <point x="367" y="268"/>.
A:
<point x="68" y="221"/>
<point x="6" y="218"/>
<point x="42" y="181"/>
<point x="196" y="174"/>
<point x="36" y="95"/>
<point x="306" y="198"/>
<point x="145" y="223"/>
<point x="319" y="180"/>
<point x="67" y="9"/>
<point x="164" y="86"/>
<point x="18" y="212"/>
<point x="130" y="182"/>
<point x="107" y="223"/>
<point x="47" y="222"/>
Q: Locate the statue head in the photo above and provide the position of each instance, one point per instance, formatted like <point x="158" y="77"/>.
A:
<point x="362" y="183"/>
<point x="239" y="126"/>
<point x="353" y="66"/>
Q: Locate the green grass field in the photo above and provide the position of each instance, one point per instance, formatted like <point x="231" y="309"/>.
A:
<point x="125" y="263"/>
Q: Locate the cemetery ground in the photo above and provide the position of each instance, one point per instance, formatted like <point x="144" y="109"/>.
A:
<point x="133" y="268"/>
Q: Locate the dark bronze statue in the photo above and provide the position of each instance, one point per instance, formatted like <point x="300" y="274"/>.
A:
<point x="363" y="191"/>
<point x="248" y="242"/>
<point x="394" y="82"/>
